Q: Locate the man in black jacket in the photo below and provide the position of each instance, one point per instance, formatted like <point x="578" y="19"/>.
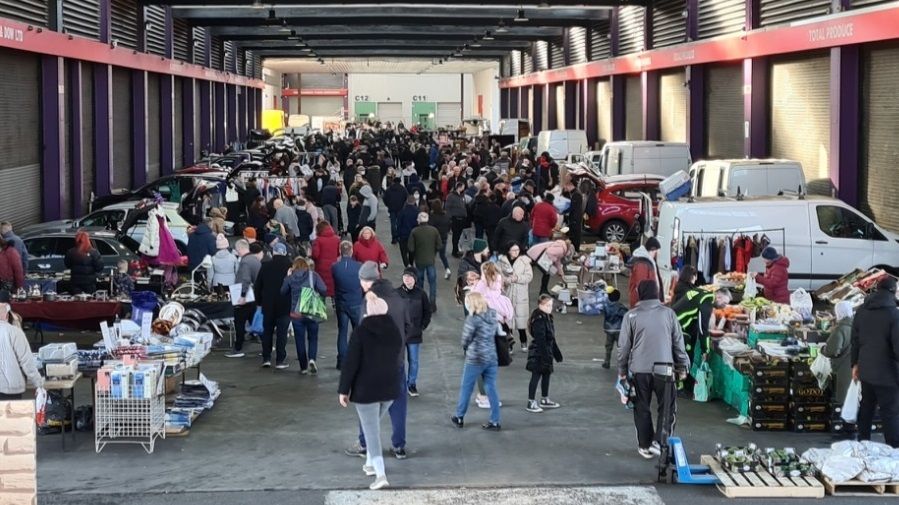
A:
<point x="275" y="307"/>
<point x="575" y="214"/>
<point x="370" y="280"/>
<point x="394" y="198"/>
<point x="419" y="308"/>
<point x="511" y="229"/>
<point x="875" y="361"/>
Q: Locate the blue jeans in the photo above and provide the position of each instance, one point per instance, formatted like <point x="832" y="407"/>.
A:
<point x="470" y="374"/>
<point x="346" y="316"/>
<point x="431" y="272"/>
<point x="394" y="220"/>
<point x="412" y="351"/>
<point x="397" y="415"/>
<point x="442" y="253"/>
<point x="302" y="327"/>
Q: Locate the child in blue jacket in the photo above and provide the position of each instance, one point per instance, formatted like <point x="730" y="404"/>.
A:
<point x="613" y="313"/>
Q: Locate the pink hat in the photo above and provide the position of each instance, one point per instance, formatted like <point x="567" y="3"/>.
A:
<point x="221" y="242"/>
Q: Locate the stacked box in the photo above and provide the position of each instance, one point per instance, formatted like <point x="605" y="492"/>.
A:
<point x="838" y="425"/>
<point x="809" y="404"/>
<point x="770" y="396"/>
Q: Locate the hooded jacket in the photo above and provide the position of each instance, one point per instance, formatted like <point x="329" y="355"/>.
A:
<point x="395" y="197"/>
<point x="650" y="334"/>
<point x="455" y="205"/>
<point x="543" y="348"/>
<point x="478" y="338"/>
<point x="325" y="252"/>
<point x="775" y="280"/>
<point x="838" y="349"/>
<point x="369" y="206"/>
<point x="406" y="222"/>
<point x="643" y="268"/>
<point x="544" y="219"/>
<point x="875" y="340"/>
<point x="200" y="243"/>
<point x="11" y="268"/>
<point x="424" y="242"/>
<point x="369" y="250"/>
<point x="419" y="308"/>
<point x="396" y="308"/>
<point x="268" y="286"/>
<point x="15" y="360"/>
<point x="368" y="373"/>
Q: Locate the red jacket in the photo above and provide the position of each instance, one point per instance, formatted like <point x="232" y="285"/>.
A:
<point x="11" y="268"/>
<point x="544" y="219"/>
<point x="775" y="280"/>
<point x="369" y="250"/>
<point x="325" y="252"/>
<point x="642" y="270"/>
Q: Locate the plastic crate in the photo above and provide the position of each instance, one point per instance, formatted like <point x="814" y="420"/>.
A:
<point x="590" y="303"/>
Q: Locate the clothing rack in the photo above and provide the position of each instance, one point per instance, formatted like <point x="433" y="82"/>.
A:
<point x="733" y="234"/>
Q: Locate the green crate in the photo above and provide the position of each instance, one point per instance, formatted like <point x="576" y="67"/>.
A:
<point x="755" y="336"/>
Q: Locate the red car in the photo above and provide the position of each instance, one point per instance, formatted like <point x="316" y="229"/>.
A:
<point x="618" y="205"/>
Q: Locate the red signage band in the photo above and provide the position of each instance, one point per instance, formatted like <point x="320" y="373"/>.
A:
<point x="35" y="39"/>
<point x="854" y="27"/>
<point x="287" y="92"/>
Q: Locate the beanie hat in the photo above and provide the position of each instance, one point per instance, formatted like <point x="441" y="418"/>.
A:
<point x="479" y="245"/>
<point x="652" y="244"/>
<point x="369" y="271"/>
<point x="888" y="284"/>
<point x="614" y="295"/>
<point x="249" y="232"/>
<point x="770" y="254"/>
<point x="411" y="271"/>
<point x="648" y="290"/>
<point x="221" y="242"/>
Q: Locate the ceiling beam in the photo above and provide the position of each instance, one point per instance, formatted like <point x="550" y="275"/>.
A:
<point x="471" y="3"/>
<point x="204" y="15"/>
<point x="382" y="30"/>
<point x="373" y="53"/>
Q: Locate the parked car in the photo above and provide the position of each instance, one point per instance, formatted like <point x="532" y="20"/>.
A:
<point x="618" y="205"/>
<point x="645" y="157"/>
<point x="752" y="177"/>
<point x="173" y="188"/>
<point x="47" y="251"/>
<point x="127" y="219"/>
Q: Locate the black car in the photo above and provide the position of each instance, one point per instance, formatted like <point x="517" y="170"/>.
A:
<point x="47" y="251"/>
<point x="172" y="188"/>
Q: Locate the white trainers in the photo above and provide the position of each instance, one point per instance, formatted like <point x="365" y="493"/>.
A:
<point x="312" y="368"/>
<point x="533" y="407"/>
<point x="369" y="470"/>
<point x="266" y="364"/>
<point x="524" y="348"/>
<point x="485" y="403"/>
<point x="646" y="453"/>
<point x="236" y="354"/>
<point x="447" y="274"/>
<point x="655" y="449"/>
<point x="379" y="483"/>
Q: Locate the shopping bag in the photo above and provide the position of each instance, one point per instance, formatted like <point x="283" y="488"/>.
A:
<point x="466" y="240"/>
<point x="40" y="407"/>
<point x="821" y="369"/>
<point x="850" y="404"/>
<point x="257" y="325"/>
<point x="801" y="302"/>
<point x="545" y="263"/>
<point x="311" y="305"/>
<point x="703" y="383"/>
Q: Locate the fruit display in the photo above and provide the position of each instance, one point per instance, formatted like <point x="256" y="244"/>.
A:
<point x="731" y="312"/>
<point x="759" y="302"/>
<point x="730" y="280"/>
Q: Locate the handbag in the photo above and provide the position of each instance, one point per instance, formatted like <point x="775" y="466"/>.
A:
<point x="545" y="263"/>
<point x="703" y="383"/>
<point x="503" y="355"/>
<point x="310" y="305"/>
<point x="257" y="325"/>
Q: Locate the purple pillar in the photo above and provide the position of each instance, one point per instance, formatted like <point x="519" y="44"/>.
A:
<point x="257" y="114"/>
<point x="570" y="104"/>
<point x="205" y="116"/>
<point x="504" y="103"/>
<point x="755" y="107"/>
<point x="591" y="112"/>
<point x="231" y="128"/>
<point x="845" y="122"/>
<point x="242" y="113"/>
<point x="139" y="128"/>
<point x="523" y="94"/>
<point x="102" y="129"/>
<point x="692" y="20"/>
<point x="696" y="136"/>
<point x="167" y="124"/>
<point x="76" y="141"/>
<point x="251" y="108"/>
<point x="105" y="15"/>
<point x="552" y="107"/>
<point x="651" y="113"/>
<point x="169" y="33"/>
<point x="539" y="91"/>
<point x="614" y="31"/>
<point x="513" y="102"/>
<point x="218" y="117"/>
<point x="753" y="14"/>
<point x="619" y="111"/>
<point x="53" y="134"/>
<point x="188" y="111"/>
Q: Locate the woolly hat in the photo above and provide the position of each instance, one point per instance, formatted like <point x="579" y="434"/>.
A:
<point x="411" y="271"/>
<point x="249" y="232"/>
<point x="369" y="271"/>
<point x="479" y="245"/>
<point x="770" y="254"/>
<point x="221" y="242"/>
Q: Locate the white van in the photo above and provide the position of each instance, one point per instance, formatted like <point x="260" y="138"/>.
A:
<point x="824" y="238"/>
<point x="561" y="143"/>
<point x="752" y="177"/>
<point x="644" y="157"/>
<point x="520" y="128"/>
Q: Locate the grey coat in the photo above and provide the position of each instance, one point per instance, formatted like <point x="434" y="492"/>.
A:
<point x="838" y="350"/>
<point x="224" y="269"/>
<point x="247" y="270"/>
<point x="517" y="290"/>
<point x="478" y="338"/>
<point x="650" y="333"/>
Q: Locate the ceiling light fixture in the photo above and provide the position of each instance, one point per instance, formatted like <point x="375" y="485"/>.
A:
<point x="501" y="28"/>
<point x="520" y="17"/>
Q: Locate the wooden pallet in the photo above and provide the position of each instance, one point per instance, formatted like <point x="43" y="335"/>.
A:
<point x="859" y="488"/>
<point x="762" y="484"/>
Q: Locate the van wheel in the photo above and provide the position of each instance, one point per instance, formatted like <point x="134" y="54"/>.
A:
<point x="614" y="231"/>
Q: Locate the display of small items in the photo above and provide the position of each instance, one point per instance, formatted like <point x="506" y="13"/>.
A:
<point x="778" y="462"/>
<point x="786" y="463"/>
<point x="786" y="396"/>
<point x="737" y="459"/>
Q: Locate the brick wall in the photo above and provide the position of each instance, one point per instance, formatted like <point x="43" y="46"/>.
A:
<point x="18" y="464"/>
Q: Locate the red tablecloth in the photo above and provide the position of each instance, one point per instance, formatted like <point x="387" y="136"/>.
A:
<point x="76" y="315"/>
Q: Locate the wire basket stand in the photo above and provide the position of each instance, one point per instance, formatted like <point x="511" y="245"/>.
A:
<point x="131" y="418"/>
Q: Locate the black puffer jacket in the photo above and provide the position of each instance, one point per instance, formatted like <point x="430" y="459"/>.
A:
<point x="543" y="348"/>
<point x="875" y="340"/>
<point x="369" y="373"/>
<point x="419" y="308"/>
<point x="84" y="269"/>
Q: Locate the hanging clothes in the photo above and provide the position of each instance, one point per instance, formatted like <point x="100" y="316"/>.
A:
<point x="728" y="254"/>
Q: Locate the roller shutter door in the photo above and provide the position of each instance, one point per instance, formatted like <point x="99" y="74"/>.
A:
<point x="633" y="108"/>
<point x="631" y="29"/>
<point x="155" y="16"/>
<point x="724" y="111"/>
<point x="527" y="62"/>
<point x="199" y="41"/>
<point x="541" y="58"/>
<point x="604" y="112"/>
<point x="154" y="130"/>
<point x="216" y="53"/>
<point x="856" y="4"/>
<point x="28" y="11"/>
<point x="230" y="57"/>
<point x="393" y="112"/>
<point x="181" y="39"/>
<point x="775" y="12"/>
<point x="880" y="146"/>
<point x="673" y="106"/>
<point x="121" y="134"/>
<point x="449" y="114"/>
<point x="600" y="43"/>
<point x="322" y="106"/>
<point x="556" y="54"/>
<point x="721" y="17"/>
<point x="87" y="135"/>
<point x="321" y="81"/>
<point x="124" y="22"/>
<point x="82" y="18"/>
<point x="515" y="67"/>
<point x="577" y="44"/>
<point x="196" y="120"/>
<point x="20" y="139"/>
<point x="560" y="106"/>
<point x="800" y="116"/>
<point x="178" y="122"/>
<point x="669" y="26"/>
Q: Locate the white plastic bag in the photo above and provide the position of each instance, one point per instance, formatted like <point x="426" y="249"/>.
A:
<point x="40" y="406"/>
<point x="850" y="404"/>
<point x="751" y="289"/>
<point x="841" y="469"/>
<point x="801" y="302"/>
<point x="821" y="368"/>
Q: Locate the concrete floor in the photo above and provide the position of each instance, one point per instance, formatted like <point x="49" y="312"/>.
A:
<point x="278" y="437"/>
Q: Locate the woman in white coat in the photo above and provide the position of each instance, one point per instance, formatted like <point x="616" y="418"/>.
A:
<point x="518" y="274"/>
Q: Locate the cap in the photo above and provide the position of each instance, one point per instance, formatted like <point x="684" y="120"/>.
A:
<point x="279" y="249"/>
<point x="221" y="242"/>
<point x="369" y="271"/>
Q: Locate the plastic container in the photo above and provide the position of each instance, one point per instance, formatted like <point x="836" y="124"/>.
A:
<point x="141" y="302"/>
<point x="674" y="182"/>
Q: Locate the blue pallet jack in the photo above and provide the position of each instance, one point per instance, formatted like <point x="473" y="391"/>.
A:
<point x="673" y="466"/>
